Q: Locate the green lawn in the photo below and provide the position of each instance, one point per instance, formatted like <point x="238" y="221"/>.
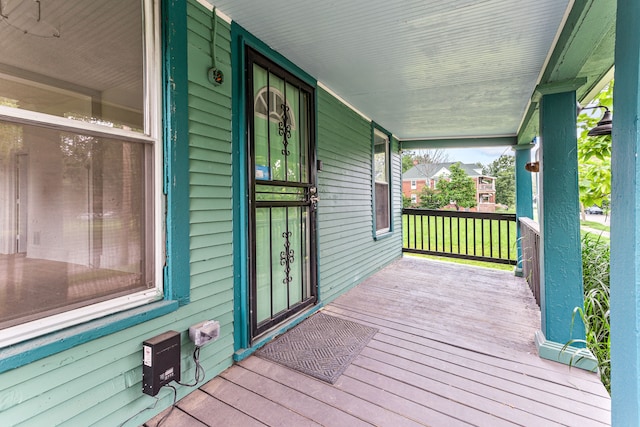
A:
<point x="595" y="225"/>
<point x="480" y="237"/>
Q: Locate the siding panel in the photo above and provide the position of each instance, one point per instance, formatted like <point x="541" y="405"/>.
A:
<point x="348" y="252"/>
<point x="99" y="382"/>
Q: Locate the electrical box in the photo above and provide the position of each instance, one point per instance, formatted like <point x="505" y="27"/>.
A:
<point x="160" y="361"/>
<point x="204" y="332"/>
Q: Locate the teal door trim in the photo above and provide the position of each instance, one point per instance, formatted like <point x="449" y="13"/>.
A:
<point x="625" y="220"/>
<point x="240" y="39"/>
<point x="240" y="210"/>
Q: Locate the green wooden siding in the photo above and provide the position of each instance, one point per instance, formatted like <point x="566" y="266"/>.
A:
<point x="348" y="252"/>
<point x="99" y="383"/>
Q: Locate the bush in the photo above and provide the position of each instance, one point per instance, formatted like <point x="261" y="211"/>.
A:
<point x="595" y="313"/>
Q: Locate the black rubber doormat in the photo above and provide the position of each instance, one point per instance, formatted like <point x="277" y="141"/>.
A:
<point x="322" y="346"/>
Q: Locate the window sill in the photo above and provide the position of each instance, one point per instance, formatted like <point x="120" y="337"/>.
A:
<point x="23" y="353"/>
<point x="383" y="235"/>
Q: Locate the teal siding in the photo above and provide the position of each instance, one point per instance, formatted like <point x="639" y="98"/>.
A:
<point x="99" y="383"/>
<point x="348" y="252"/>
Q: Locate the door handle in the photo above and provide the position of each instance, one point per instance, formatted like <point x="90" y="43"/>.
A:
<point x="313" y="197"/>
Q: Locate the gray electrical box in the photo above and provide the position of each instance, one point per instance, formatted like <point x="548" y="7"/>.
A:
<point x="160" y="361"/>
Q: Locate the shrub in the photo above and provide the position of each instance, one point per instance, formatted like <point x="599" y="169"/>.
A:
<point x="595" y="313"/>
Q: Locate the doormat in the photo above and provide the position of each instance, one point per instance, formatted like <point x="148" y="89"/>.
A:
<point x="322" y="346"/>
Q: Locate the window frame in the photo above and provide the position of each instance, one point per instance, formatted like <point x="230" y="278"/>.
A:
<point x="125" y="308"/>
<point x="386" y="231"/>
<point x="414" y="184"/>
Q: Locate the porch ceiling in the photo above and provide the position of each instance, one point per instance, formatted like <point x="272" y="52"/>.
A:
<point x="423" y="69"/>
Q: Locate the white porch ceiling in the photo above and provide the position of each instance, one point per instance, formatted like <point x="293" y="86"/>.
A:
<point x="419" y="68"/>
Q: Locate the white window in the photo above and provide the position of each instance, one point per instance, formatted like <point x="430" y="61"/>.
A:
<point x="80" y="163"/>
<point x="414" y="199"/>
<point x="381" y="181"/>
<point x="414" y="184"/>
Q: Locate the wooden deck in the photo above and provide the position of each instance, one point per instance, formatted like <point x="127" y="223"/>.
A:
<point x="454" y="348"/>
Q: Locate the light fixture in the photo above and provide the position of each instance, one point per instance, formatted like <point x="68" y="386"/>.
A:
<point x="604" y="125"/>
<point x="534" y="166"/>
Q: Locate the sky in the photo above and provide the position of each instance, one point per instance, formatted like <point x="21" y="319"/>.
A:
<point x="484" y="155"/>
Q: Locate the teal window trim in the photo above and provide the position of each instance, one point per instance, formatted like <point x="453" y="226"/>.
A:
<point x="240" y="39"/>
<point x="388" y="233"/>
<point x="176" y="188"/>
<point x="27" y="352"/>
<point x="176" y="149"/>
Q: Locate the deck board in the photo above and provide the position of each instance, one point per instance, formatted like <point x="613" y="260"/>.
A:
<point x="454" y="348"/>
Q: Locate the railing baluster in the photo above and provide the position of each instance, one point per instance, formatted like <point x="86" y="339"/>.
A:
<point x="493" y="224"/>
<point x="466" y="236"/>
<point x="450" y="235"/>
<point x="422" y="232"/>
<point x="482" y="242"/>
<point x="531" y="255"/>
<point x="458" y="232"/>
<point x="415" y="231"/>
<point x="429" y="232"/>
<point x="437" y="234"/>
<point x="508" y="240"/>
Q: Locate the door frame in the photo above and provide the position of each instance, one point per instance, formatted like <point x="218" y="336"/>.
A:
<point x="241" y="39"/>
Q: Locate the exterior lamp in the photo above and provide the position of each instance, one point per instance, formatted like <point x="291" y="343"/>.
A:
<point x="534" y="166"/>
<point x="604" y="125"/>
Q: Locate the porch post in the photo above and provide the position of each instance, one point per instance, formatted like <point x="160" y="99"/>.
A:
<point x="524" y="195"/>
<point x="561" y="259"/>
<point x="625" y="221"/>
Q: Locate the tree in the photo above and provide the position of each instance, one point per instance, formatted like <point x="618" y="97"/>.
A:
<point x="504" y="170"/>
<point x="431" y="198"/>
<point x="594" y="153"/>
<point x="458" y="189"/>
<point x="411" y="158"/>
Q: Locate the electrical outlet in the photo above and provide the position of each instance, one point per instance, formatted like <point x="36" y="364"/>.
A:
<point x="204" y="332"/>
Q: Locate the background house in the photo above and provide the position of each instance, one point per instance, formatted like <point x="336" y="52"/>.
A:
<point x="427" y="175"/>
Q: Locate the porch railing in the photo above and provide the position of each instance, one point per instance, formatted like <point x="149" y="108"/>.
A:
<point x="479" y="236"/>
<point x="530" y="241"/>
<point x="486" y="187"/>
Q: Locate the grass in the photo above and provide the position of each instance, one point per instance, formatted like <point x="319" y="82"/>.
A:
<point x="595" y="313"/>
<point x="595" y="225"/>
<point x="481" y="237"/>
<point x="590" y="235"/>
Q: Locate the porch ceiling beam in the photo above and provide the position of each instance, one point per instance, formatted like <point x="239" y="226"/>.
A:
<point x="468" y="142"/>
<point x="557" y="87"/>
<point x="584" y="50"/>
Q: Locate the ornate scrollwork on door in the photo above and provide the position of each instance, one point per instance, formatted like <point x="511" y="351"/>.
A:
<point x="284" y="129"/>
<point x="287" y="258"/>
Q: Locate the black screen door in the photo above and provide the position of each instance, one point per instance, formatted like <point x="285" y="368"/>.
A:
<point x="282" y="194"/>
